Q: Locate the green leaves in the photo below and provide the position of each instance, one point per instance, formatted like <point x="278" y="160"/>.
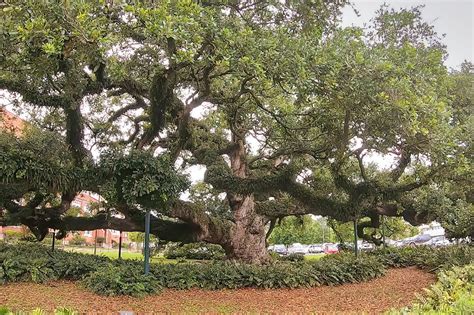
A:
<point x="140" y="178"/>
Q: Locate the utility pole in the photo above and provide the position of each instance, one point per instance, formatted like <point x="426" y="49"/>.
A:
<point x="147" y="242"/>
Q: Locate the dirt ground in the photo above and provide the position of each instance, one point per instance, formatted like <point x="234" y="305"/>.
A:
<point x="397" y="288"/>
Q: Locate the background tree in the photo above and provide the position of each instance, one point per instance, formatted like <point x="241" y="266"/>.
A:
<point x="304" y="230"/>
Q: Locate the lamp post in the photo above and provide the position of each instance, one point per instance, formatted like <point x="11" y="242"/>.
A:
<point x="147" y="242"/>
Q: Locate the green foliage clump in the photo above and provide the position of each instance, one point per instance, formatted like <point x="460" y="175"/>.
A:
<point x="301" y="229"/>
<point x="35" y="263"/>
<point x="32" y="262"/>
<point x="121" y="279"/>
<point x="291" y="257"/>
<point x="38" y="311"/>
<point x="140" y="178"/>
<point x="198" y="251"/>
<point x="225" y="274"/>
<point x="77" y="240"/>
<point x="426" y="257"/>
<point x="453" y="293"/>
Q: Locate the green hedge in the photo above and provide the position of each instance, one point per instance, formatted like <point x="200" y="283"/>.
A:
<point x="426" y="257"/>
<point x="121" y="279"/>
<point x="33" y="262"/>
<point x="26" y="262"/>
<point x="226" y="274"/>
<point x="36" y="263"/>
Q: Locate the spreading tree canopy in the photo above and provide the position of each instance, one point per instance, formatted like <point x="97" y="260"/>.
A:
<point x="283" y="107"/>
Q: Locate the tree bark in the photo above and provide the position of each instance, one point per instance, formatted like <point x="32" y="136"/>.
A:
<point x="247" y="241"/>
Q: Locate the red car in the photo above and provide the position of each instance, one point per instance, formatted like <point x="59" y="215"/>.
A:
<point x="330" y="248"/>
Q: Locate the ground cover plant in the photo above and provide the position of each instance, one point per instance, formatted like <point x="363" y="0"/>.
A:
<point x="453" y="293"/>
<point x="426" y="257"/>
<point x="35" y="263"/>
<point x="396" y="289"/>
<point x="198" y="251"/>
<point x="38" y="311"/>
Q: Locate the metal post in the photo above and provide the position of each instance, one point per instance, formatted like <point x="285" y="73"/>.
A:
<point x="120" y="245"/>
<point x="95" y="242"/>
<point x="54" y="240"/>
<point x="147" y="242"/>
<point x="383" y="231"/>
<point x="356" y="246"/>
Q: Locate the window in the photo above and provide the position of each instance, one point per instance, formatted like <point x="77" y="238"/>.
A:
<point x="88" y="233"/>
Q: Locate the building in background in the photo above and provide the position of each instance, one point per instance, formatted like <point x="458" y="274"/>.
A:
<point x="104" y="237"/>
<point x="10" y="122"/>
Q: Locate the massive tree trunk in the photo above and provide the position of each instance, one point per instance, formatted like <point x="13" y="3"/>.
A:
<point x="247" y="241"/>
<point x="247" y="236"/>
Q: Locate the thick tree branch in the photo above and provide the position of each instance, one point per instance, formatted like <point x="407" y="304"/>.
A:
<point x="33" y="96"/>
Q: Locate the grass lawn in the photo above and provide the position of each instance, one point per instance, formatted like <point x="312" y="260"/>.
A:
<point x="313" y="257"/>
<point x="113" y="254"/>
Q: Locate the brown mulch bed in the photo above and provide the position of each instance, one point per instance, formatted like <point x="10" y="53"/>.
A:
<point x="396" y="289"/>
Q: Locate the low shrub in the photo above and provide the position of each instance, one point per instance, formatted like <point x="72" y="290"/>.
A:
<point x="291" y="257"/>
<point x="121" y="279"/>
<point x="453" y="293"/>
<point x="35" y="263"/>
<point x="426" y="257"/>
<point x="196" y="251"/>
<point x="38" y="311"/>
<point x="226" y="274"/>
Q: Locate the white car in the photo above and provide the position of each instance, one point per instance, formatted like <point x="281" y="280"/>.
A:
<point x="279" y="249"/>
<point x="297" y="248"/>
<point x="316" y="248"/>
<point x="365" y="246"/>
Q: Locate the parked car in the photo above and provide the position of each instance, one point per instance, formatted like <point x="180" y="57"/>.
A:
<point x="316" y="248"/>
<point x="366" y="246"/>
<point x="330" y="248"/>
<point x="438" y="241"/>
<point x="279" y="249"/>
<point x="297" y="248"/>
<point x="421" y="239"/>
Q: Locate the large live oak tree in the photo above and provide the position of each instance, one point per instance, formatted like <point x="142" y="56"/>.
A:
<point x="277" y="102"/>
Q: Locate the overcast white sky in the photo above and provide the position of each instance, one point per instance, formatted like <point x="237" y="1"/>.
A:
<point x="451" y="17"/>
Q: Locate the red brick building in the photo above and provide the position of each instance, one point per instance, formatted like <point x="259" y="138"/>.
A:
<point x="10" y="122"/>
<point x="105" y="237"/>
